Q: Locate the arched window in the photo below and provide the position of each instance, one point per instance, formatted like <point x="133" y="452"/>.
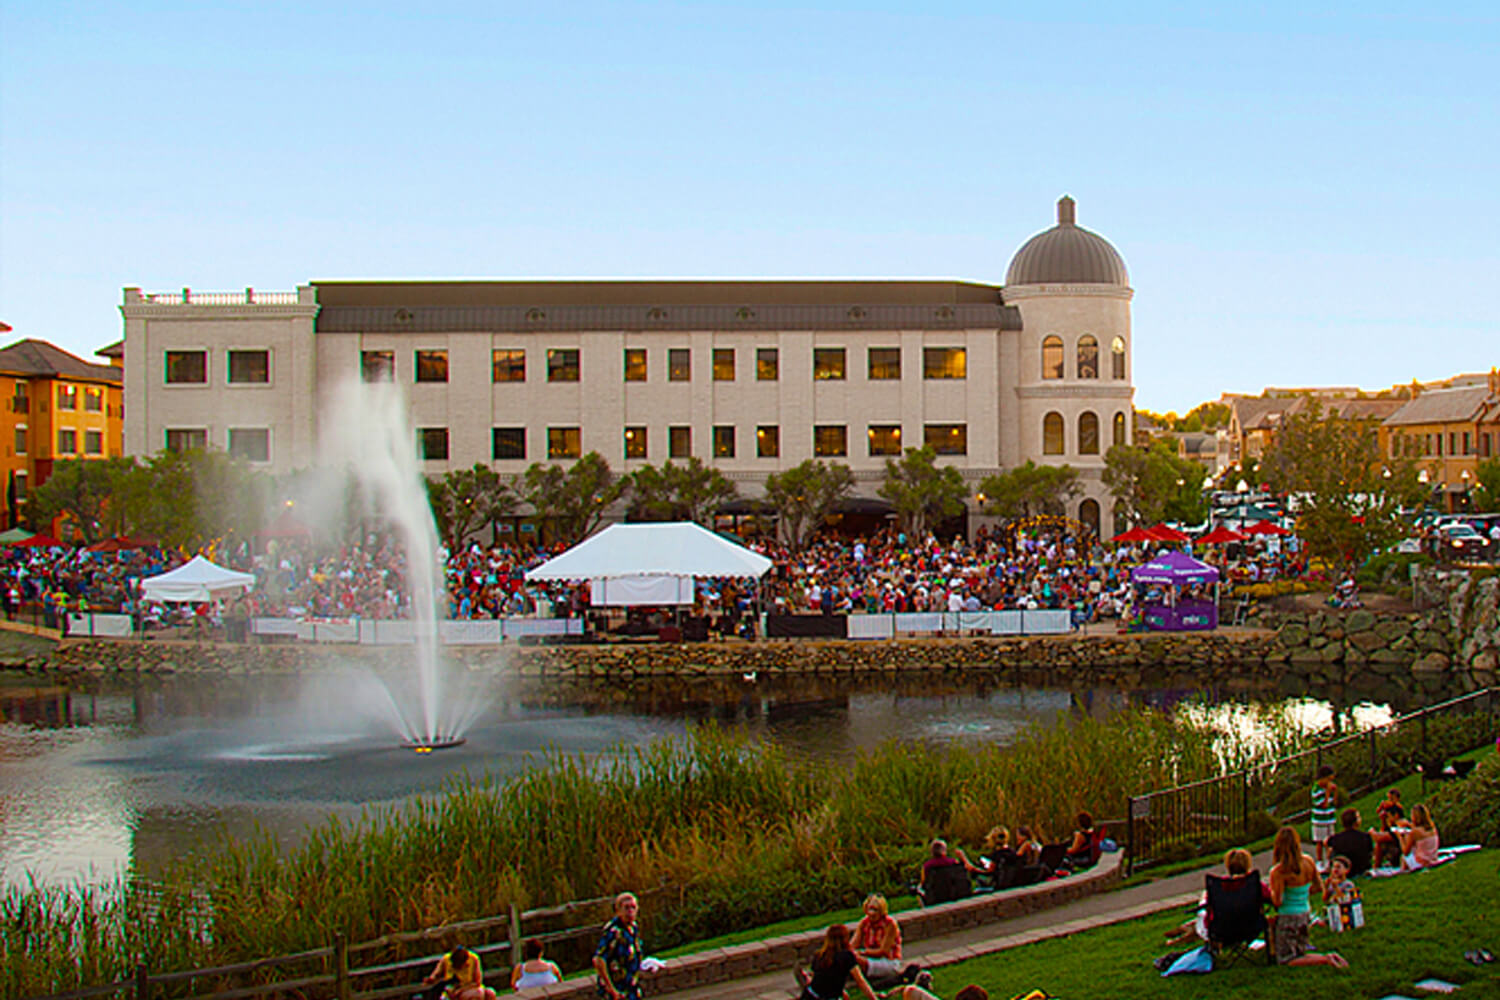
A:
<point x="1088" y="513"/>
<point x="1052" y="358"/>
<point x="1119" y="434"/>
<point x="1088" y="433"/>
<point x="1117" y="358"/>
<point x="1088" y="357"/>
<point x="1052" y="434"/>
<point x="1122" y="523"/>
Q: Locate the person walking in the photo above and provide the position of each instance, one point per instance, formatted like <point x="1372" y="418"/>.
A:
<point x="617" y="959"/>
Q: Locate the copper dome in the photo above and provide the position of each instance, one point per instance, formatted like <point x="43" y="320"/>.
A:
<point x="1067" y="255"/>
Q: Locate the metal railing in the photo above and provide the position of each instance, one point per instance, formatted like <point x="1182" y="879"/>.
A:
<point x="248" y="297"/>
<point x="1193" y="819"/>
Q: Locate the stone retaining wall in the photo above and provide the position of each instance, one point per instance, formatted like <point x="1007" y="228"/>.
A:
<point x="756" y="958"/>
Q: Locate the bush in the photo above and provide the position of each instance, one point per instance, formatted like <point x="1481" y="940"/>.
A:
<point x="1468" y="811"/>
<point x="1390" y="568"/>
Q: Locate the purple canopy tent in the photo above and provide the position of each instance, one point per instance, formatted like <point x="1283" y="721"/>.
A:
<point x="1176" y="612"/>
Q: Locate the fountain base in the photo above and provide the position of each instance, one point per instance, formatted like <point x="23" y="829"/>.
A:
<point x="439" y="742"/>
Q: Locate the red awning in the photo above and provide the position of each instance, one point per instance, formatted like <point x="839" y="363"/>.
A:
<point x="1219" y="536"/>
<point x="1162" y="533"/>
<point x="1134" y="535"/>
<point x="1265" y="528"/>
<point x="39" y="542"/>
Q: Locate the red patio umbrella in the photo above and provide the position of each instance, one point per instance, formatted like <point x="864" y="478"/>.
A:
<point x="39" y="542"/>
<point x="1162" y="533"/>
<point x="120" y="544"/>
<point x="1134" y="535"/>
<point x="1266" y="528"/>
<point x="1219" y="536"/>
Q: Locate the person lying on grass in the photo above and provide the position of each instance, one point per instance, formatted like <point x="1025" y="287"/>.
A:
<point x="1294" y="877"/>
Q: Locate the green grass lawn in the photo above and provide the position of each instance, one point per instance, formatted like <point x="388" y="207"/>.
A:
<point x="1417" y="926"/>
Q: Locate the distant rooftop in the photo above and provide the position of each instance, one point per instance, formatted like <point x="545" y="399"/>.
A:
<point x="37" y="357"/>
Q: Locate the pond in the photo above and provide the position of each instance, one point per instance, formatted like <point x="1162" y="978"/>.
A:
<point x="99" y="776"/>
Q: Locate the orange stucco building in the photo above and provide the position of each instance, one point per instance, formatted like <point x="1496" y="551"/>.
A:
<point x="55" y="406"/>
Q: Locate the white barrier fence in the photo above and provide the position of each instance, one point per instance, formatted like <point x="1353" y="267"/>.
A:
<point x="95" y="623"/>
<point x="886" y="626"/>
<point x="372" y="632"/>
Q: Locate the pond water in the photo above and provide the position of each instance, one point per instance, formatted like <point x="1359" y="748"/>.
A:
<point x="99" y="777"/>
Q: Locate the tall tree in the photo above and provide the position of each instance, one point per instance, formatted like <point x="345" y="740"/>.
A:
<point x="465" y="501"/>
<point x="1485" y="494"/>
<point x="921" y="492"/>
<point x="806" y="494"/>
<point x="1347" y="495"/>
<point x="1154" y="484"/>
<point x="573" y="500"/>
<point x="1029" y="489"/>
<point x="81" y="489"/>
<point x="688" y="492"/>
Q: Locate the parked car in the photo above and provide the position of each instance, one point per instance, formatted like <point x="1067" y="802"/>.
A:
<point x="1457" y="541"/>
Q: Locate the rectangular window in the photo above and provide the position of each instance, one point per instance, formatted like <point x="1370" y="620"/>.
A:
<point x="944" y="362"/>
<point x="723" y="364"/>
<point x="828" y="364"/>
<point x="952" y="439"/>
<point x="1467" y="444"/>
<point x="830" y="441"/>
<point x="679" y="442"/>
<point x="723" y="442"/>
<point x="67" y="442"/>
<point x="249" y="367"/>
<point x="187" y="368"/>
<point x="20" y="486"/>
<point x="679" y="364"/>
<point x="20" y="440"/>
<point x="253" y="444"/>
<point x="432" y="444"/>
<point x="93" y="399"/>
<point x="21" y="401"/>
<point x="432" y="366"/>
<point x="67" y="397"/>
<point x="885" y="439"/>
<point x="507" y="443"/>
<point x="508" y="364"/>
<point x="768" y="441"/>
<point x="564" y="442"/>
<point x="180" y="439"/>
<point x="635" y="442"/>
<point x="767" y="364"/>
<point x="377" y="366"/>
<point x="93" y="442"/>
<point x="635" y="364"/>
<point x="562" y="365"/>
<point x="885" y="363"/>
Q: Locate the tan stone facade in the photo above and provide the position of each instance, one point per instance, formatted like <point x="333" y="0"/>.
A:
<point x="752" y="377"/>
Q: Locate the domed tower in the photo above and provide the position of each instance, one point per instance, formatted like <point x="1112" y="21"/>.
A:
<point x="1073" y="386"/>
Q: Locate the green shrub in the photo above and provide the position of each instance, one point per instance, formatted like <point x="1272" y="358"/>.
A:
<point x="1468" y="811"/>
<point x="1390" y="568"/>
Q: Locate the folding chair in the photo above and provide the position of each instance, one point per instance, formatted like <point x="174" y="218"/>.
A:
<point x="945" y="884"/>
<point x="1235" y="916"/>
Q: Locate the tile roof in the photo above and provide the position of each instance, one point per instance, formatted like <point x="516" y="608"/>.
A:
<point x="1443" y="406"/>
<point x="37" y="357"/>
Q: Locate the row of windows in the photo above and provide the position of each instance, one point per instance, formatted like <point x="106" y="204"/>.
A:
<point x="829" y="441"/>
<point x="1086" y="358"/>
<point x="1054" y="433"/>
<point x="241" y="367"/>
<point x="93" y="398"/>
<point x="1484" y="444"/>
<point x="250" y="443"/>
<point x="564" y="364"/>
<point x="67" y="441"/>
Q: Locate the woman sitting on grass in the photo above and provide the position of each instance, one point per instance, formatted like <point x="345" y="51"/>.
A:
<point x="1294" y="877"/>
<point x="877" y="939"/>
<point x="460" y="971"/>
<point x="1419" y="842"/>
<point x="832" y="967"/>
<point x="1081" y="850"/>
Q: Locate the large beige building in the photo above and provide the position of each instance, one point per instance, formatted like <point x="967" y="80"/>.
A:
<point x="750" y="376"/>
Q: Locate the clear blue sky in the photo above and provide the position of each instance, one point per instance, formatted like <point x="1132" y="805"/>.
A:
<point x="1303" y="196"/>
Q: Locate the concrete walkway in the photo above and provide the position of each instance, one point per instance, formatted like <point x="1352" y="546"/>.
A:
<point x="1176" y="892"/>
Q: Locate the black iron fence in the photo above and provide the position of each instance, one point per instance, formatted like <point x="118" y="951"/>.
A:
<point x="1191" y="820"/>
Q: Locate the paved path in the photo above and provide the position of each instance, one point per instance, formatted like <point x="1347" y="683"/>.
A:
<point x="1071" y="918"/>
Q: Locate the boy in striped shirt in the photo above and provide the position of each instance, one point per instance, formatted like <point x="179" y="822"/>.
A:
<point x="1324" y="810"/>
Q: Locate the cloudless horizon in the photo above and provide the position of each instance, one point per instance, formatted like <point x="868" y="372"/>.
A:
<point x="1302" y="197"/>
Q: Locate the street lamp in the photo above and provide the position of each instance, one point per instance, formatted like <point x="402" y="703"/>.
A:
<point x="1242" y="487"/>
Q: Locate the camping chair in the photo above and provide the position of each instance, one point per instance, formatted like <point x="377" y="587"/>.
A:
<point x="1052" y="857"/>
<point x="945" y="884"/>
<point x="1235" y="916"/>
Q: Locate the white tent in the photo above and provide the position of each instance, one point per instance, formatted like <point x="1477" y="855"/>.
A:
<point x="196" y="580"/>
<point x="650" y="563"/>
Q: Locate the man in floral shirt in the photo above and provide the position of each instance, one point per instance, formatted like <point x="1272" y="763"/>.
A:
<point x="617" y="960"/>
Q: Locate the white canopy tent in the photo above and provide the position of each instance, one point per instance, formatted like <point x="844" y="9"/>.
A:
<point x="196" y="580"/>
<point x="650" y="564"/>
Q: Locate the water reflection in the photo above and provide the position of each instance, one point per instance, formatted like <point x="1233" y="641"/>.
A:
<point x="99" y="776"/>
